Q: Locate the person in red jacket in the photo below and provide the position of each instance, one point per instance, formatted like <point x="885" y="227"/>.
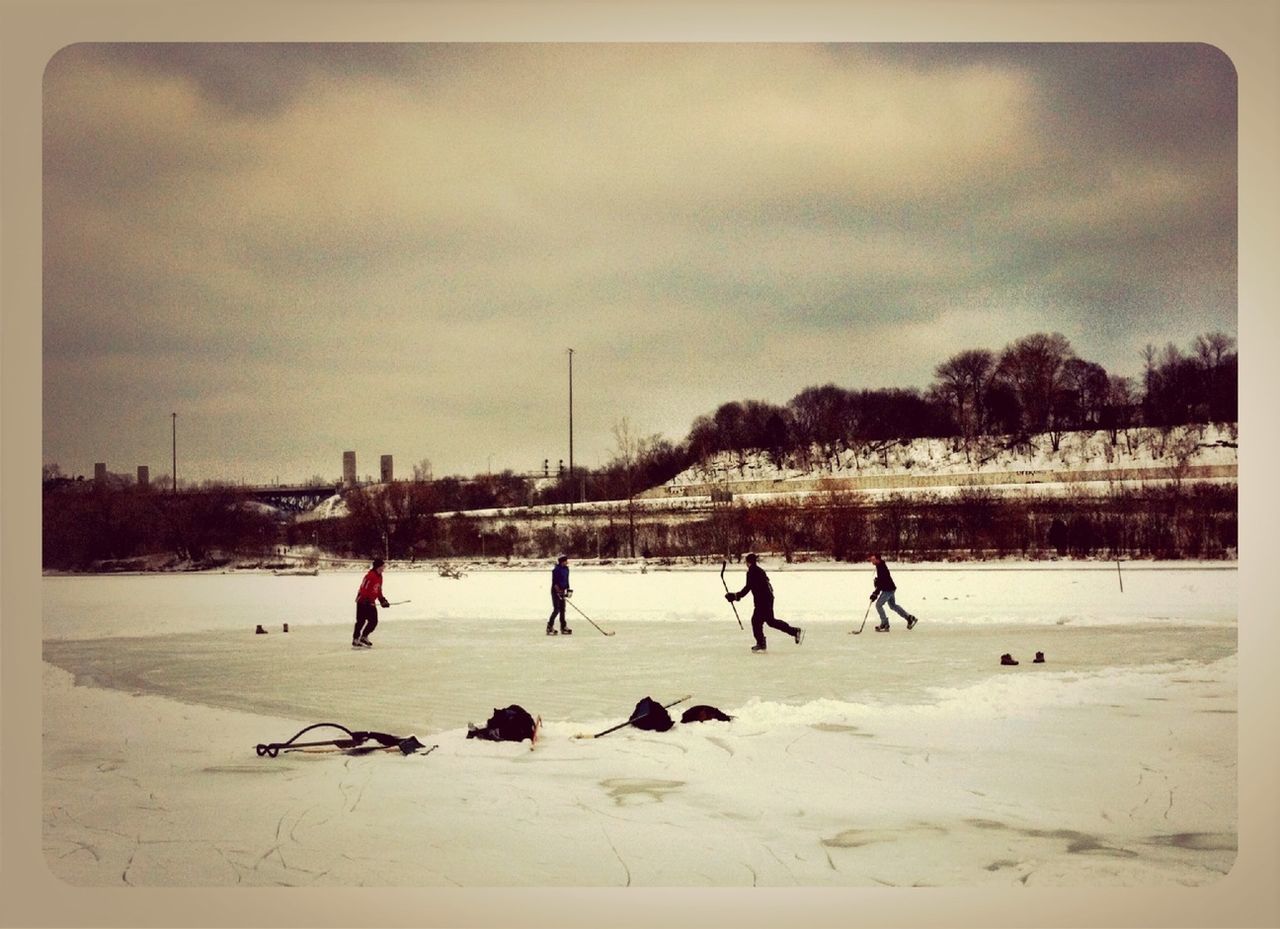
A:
<point x="366" y="613"/>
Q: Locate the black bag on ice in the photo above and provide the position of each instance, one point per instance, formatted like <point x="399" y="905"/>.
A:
<point x="702" y="712"/>
<point x="509" y="724"/>
<point x="649" y="714"/>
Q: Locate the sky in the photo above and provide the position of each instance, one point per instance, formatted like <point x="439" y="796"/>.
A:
<point x="390" y="249"/>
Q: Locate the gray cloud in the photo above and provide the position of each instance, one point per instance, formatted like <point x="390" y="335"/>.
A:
<point x="311" y="248"/>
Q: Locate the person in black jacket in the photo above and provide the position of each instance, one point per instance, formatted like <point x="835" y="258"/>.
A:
<point x="762" y="596"/>
<point x="883" y="595"/>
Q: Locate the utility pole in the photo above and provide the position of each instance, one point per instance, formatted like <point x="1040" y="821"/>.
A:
<point x="175" y="453"/>
<point x="571" y="429"/>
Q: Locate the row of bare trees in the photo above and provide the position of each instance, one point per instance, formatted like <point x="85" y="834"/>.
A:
<point x="1186" y="520"/>
<point x="1035" y="385"/>
<point x="1039" y="385"/>
<point x="403" y="520"/>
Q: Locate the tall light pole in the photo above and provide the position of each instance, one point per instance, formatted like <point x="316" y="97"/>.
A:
<point x="175" y="453"/>
<point x="571" y="429"/>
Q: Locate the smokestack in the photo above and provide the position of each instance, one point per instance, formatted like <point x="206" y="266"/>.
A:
<point x="386" y="469"/>
<point x="349" y="469"/>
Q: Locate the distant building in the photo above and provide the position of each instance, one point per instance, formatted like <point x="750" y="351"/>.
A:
<point x="100" y="473"/>
<point x="144" y="476"/>
<point x="386" y="469"/>
<point x="349" y="469"/>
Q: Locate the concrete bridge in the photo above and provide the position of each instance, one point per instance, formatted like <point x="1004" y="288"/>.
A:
<point x="293" y="499"/>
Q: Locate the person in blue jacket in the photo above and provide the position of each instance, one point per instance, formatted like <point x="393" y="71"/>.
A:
<point x="883" y="595"/>
<point x="560" y="591"/>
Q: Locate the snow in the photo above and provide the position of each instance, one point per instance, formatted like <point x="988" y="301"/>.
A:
<point x="1199" y="445"/>
<point x="329" y="508"/>
<point x="905" y="759"/>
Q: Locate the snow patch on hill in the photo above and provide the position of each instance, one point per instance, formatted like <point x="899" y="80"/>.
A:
<point x="1197" y="445"/>
<point x="330" y="508"/>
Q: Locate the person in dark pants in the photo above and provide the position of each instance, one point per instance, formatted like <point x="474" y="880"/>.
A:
<point x="883" y="595"/>
<point x="762" y="596"/>
<point x="560" y="590"/>
<point x="370" y="592"/>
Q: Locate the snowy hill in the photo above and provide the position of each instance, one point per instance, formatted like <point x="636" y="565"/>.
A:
<point x="1138" y="455"/>
<point x="1141" y="455"/>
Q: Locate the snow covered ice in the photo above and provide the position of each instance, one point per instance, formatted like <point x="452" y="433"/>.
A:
<point x="905" y="759"/>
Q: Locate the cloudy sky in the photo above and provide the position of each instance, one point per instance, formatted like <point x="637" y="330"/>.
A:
<point x="307" y="249"/>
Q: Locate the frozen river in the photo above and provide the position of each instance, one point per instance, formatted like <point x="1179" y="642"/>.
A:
<point x="899" y="759"/>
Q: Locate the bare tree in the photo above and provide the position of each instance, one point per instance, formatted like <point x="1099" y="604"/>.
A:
<point x="963" y="381"/>
<point x="1118" y="412"/>
<point x="1087" y="387"/>
<point x="1215" y="352"/>
<point x="1033" y="368"/>
<point x="823" y="417"/>
<point x="1212" y="349"/>
<point x="631" y="449"/>
<point x="767" y="428"/>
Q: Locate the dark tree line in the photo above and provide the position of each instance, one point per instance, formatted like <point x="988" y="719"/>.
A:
<point x="1035" y="385"/>
<point x="85" y="524"/>
<point x="1166" y="522"/>
<point x="1197" y="387"/>
<point x="1170" y="522"/>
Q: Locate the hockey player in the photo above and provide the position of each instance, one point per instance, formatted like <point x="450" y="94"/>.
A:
<point x="762" y="597"/>
<point x="883" y="595"/>
<point x="370" y="592"/>
<point x="560" y="590"/>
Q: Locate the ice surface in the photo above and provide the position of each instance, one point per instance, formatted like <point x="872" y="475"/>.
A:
<point x="911" y="758"/>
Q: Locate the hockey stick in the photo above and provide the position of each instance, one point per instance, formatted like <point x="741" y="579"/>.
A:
<point x="407" y="744"/>
<point x="408" y="749"/>
<point x="864" y="620"/>
<point x="723" y="565"/>
<point x="665" y="706"/>
<point x="584" y="615"/>
<point x="397" y="602"/>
